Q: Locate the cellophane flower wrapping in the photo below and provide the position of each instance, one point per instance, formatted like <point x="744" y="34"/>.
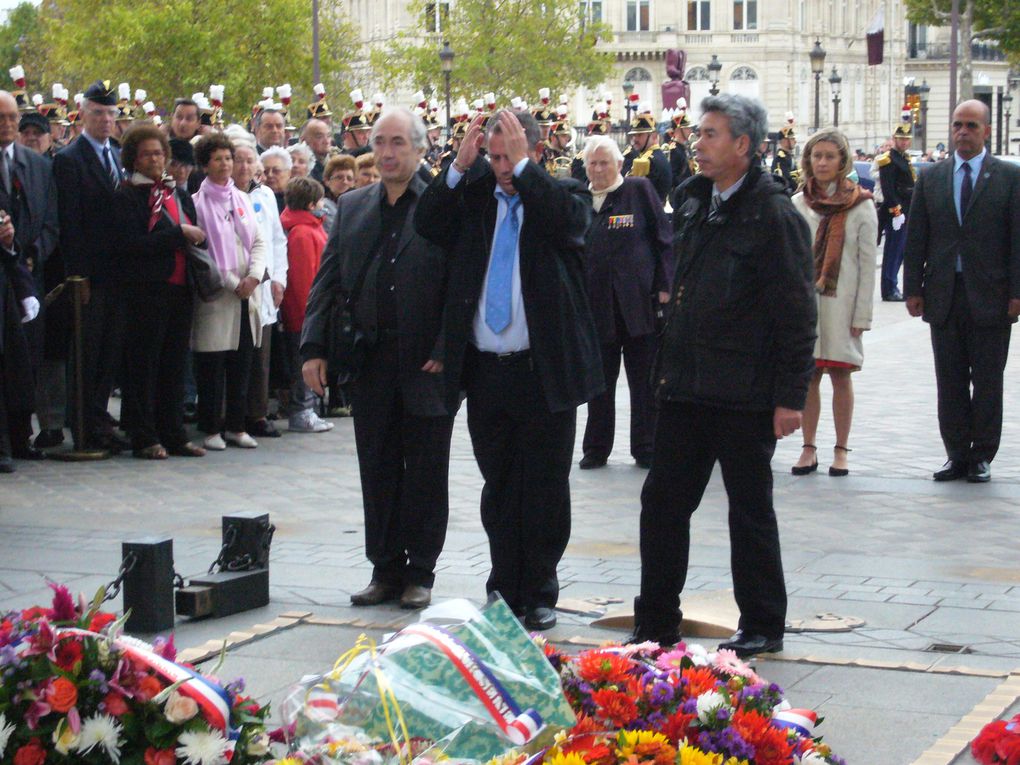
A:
<point x="464" y="683"/>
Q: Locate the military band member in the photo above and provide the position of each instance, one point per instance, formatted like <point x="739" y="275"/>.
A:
<point x="897" y="177"/>
<point x="544" y="116"/>
<point x="644" y="157"/>
<point x="357" y="126"/>
<point x="681" y="158"/>
<point x="784" y="164"/>
<point x="557" y="158"/>
<point x="599" y="125"/>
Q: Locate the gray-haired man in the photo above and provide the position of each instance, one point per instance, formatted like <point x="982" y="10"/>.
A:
<point x="731" y="377"/>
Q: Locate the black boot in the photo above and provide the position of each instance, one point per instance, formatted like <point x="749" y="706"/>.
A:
<point x="657" y="626"/>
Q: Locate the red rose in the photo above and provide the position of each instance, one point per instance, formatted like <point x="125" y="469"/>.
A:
<point x="62" y="695"/>
<point x="115" y="704"/>
<point x="31" y="753"/>
<point x="155" y="756"/>
<point x="100" y="620"/>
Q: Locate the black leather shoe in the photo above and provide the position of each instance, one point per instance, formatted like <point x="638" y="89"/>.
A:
<point x="376" y="593"/>
<point x="540" y="618"/>
<point x="28" y="452"/>
<point x="7" y="465"/>
<point x="895" y="297"/>
<point x="665" y="638"/>
<point x="644" y="461"/>
<point x="263" y="429"/>
<point x="745" y="644"/>
<point x="47" y="439"/>
<point x="592" y="461"/>
<point x="979" y="472"/>
<point x="951" y="471"/>
<point x="415" y="596"/>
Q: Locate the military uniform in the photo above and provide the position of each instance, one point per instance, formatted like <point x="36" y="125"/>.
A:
<point x="599" y="125"/>
<point x="651" y="162"/>
<point x="897" y="177"/>
<point x="558" y="162"/>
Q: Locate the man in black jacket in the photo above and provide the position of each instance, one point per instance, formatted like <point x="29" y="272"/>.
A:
<point x="732" y="376"/>
<point x="87" y="173"/>
<point x="519" y="319"/>
<point x="403" y="406"/>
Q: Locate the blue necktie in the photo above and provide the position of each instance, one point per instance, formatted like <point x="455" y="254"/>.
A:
<point x="501" y="267"/>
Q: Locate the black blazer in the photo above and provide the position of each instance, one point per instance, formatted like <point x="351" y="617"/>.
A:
<point x="143" y="255"/>
<point x="988" y="242"/>
<point x="420" y="274"/>
<point x="629" y="257"/>
<point x="564" y="343"/>
<point x="35" y="219"/>
<point x="84" y="203"/>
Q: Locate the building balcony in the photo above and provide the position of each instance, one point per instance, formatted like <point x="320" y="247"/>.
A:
<point x="941" y="51"/>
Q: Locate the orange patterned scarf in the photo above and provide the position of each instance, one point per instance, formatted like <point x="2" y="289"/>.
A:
<point x="828" y="247"/>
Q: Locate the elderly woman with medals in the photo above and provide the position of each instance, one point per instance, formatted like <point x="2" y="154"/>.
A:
<point x="155" y="224"/>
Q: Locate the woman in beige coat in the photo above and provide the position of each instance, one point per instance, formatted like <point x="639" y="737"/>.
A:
<point x="844" y="226"/>
<point x="228" y="329"/>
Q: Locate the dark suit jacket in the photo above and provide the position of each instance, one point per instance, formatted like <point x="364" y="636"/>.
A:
<point x="16" y="284"/>
<point x="629" y="257"/>
<point x="143" y="255"/>
<point x="988" y="242"/>
<point x="35" y="215"/>
<point x="564" y="343"/>
<point x="85" y="199"/>
<point x="420" y="273"/>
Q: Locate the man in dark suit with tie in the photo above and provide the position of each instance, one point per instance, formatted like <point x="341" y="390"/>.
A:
<point x="402" y="403"/>
<point x="87" y="173"/>
<point x="962" y="275"/>
<point x="28" y="196"/>
<point x="519" y="321"/>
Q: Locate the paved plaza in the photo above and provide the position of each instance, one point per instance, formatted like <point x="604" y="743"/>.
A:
<point x="933" y="570"/>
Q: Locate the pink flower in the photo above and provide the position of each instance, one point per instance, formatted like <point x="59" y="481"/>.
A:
<point x="63" y="604"/>
<point x="727" y="661"/>
<point x="43" y="642"/>
<point x="164" y="646"/>
<point x="38" y="708"/>
<point x="672" y="659"/>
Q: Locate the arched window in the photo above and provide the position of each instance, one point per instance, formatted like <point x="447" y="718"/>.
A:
<point x="638" y="74"/>
<point x="744" y="73"/>
<point x="696" y="74"/>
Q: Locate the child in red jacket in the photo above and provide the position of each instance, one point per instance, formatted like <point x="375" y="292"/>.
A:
<point x="306" y="238"/>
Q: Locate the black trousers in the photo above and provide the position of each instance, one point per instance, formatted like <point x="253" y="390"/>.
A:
<point x="524" y="453"/>
<point x="638" y="353"/>
<point x="225" y="374"/>
<point x="969" y="365"/>
<point x="103" y="327"/>
<point x="405" y="463"/>
<point x="689" y="440"/>
<point x="157" y="342"/>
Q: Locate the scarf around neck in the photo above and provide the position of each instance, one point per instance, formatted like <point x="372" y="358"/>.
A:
<point x="223" y="213"/>
<point x="159" y="195"/>
<point x="828" y="245"/>
<point x="598" y="197"/>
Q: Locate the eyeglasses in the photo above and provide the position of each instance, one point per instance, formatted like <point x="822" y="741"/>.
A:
<point x="958" y="125"/>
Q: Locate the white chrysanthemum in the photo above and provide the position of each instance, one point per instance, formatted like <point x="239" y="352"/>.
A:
<point x="813" y="758"/>
<point x="6" y="731"/>
<point x="202" y="748"/>
<point x="102" y="731"/>
<point x="699" y="655"/>
<point x="709" y="703"/>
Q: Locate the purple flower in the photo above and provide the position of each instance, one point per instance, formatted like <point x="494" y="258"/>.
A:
<point x="661" y="693"/>
<point x="690" y="706"/>
<point x="97" y="676"/>
<point x="722" y="714"/>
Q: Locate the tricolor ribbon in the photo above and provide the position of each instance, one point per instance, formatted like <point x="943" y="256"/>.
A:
<point x="801" y="720"/>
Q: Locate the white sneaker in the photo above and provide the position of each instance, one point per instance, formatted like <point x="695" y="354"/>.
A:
<point x="241" y="439"/>
<point x="308" y="422"/>
<point x="214" y="443"/>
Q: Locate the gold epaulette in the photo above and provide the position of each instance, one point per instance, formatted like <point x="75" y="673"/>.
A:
<point x="781" y="153"/>
<point x="640" y="167"/>
<point x="579" y="155"/>
<point x="883" y="159"/>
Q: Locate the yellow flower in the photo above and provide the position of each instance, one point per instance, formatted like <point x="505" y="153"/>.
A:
<point x="510" y="758"/>
<point x="288" y="761"/>
<point x="64" y="739"/>
<point x="692" y="756"/>
<point x="566" y="759"/>
<point x="628" y="740"/>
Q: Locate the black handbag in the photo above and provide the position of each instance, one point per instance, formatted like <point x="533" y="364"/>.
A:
<point x="346" y="350"/>
<point x="203" y="273"/>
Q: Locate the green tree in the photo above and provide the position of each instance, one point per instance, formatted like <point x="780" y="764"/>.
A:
<point x="980" y="21"/>
<point x="509" y="47"/>
<point x="20" y="28"/>
<point x="174" y="48"/>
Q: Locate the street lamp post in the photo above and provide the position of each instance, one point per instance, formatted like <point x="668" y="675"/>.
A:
<point x="923" y="92"/>
<point x="835" y="81"/>
<point x="628" y="88"/>
<point x="316" y="74"/>
<point x="1007" y="101"/>
<point x="714" y="67"/>
<point x="817" y="56"/>
<point x="446" y="62"/>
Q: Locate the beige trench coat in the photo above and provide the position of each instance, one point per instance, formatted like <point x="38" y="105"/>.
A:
<point x="217" y="325"/>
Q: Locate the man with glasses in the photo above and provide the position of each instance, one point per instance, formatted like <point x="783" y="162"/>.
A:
<point x="962" y="275"/>
<point x="87" y="173"/>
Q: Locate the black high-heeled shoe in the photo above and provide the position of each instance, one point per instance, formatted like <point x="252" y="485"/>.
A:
<point x="839" y="472"/>
<point x="805" y="469"/>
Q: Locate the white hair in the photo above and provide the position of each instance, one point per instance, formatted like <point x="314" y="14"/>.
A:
<point x="416" y="126"/>
<point x="304" y="150"/>
<point x="239" y="136"/>
<point x="596" y="142"/>
<point x="283" y="154"/>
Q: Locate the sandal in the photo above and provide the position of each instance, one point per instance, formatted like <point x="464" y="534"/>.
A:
<point x="154" y="452"/>
<point x="187" y="450"/>
<point x="805" y="469"/>
<point x="836" y="472"/>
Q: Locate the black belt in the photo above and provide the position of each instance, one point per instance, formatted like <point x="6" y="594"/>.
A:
<point x="512" y="357"/>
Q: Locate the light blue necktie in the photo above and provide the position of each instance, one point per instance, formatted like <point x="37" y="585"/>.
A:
<point x="501" y="267"/>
